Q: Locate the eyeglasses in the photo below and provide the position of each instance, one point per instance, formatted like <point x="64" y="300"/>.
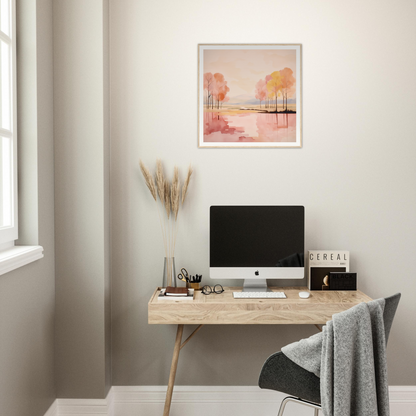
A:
<point x="217" y="289"/>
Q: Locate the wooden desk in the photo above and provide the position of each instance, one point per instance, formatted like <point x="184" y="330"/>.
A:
<point x="223" y="309"/>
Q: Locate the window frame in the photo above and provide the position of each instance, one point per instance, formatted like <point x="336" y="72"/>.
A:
<point x="9" y="233"/>
<point x="14" y="256"/>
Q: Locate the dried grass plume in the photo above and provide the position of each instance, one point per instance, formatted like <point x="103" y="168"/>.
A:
<point x="186" y="183"/>
<point x="148" y="179"/>
<point x="167" y="197"/>
<point x="175" y="193"/>
<point x="160" y="180"/>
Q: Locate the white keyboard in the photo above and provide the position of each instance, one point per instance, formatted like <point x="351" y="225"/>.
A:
<point x="259" y="295"/>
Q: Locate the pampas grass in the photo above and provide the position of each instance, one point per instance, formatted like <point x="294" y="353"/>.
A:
<point x="174" y="193"/>
<point x="168" y="209"/>
<point x="148" y="179"/>
<point x="160" y="180"/>
<point x="166" y="197"/>
<point x="186" y="183"/>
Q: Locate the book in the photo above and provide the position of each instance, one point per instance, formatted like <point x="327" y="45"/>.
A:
<point x="163" y="297"/>
<point x="176" y="291"/>
<point x="323" y="262"/>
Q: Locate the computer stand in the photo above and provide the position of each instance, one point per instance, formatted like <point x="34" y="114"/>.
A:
<point x="255" y="285"/>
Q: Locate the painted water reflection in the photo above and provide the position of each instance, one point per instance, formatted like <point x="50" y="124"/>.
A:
<point x="249" y="127"/>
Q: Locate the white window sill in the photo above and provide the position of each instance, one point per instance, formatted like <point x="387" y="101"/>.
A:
<point x="18" y="256"/>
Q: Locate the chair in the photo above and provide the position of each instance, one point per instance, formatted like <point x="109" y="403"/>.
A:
<point x="281" y="374"/>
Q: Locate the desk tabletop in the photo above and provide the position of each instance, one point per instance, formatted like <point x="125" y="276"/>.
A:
<point x="219" y="309"/>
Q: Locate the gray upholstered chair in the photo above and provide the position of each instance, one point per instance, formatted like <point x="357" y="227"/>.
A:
<point x="281" y="374"/>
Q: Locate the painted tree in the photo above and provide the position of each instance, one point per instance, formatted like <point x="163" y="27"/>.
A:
<point x="274" y="86"/>
<point x="226" y="99"/>
<point x="288" y="81"/>
<point x="261" y="91"/>
<point x="220" y="89"/>
<point x="268" y="95"/>
<point x="208" y="86"/>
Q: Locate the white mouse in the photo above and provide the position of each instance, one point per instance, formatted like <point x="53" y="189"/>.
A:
<point x="304" y="295"/>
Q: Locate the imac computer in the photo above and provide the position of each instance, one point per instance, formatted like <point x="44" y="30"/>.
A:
<point x="256" y="243"/>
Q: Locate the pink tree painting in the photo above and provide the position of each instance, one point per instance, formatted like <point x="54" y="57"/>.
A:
<point x="249" y="96"/>
<point x="215" y="87"/>
<point x="261" y="90"/>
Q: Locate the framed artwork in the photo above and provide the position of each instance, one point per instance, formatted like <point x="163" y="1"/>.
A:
<point x="249" y="95"/>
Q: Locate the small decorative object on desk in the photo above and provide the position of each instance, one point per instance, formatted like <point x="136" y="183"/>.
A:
<point x="323" y="262"/>
<point x="342" y="281"/>
<point x="170" y="295"/>
<point x="170" y="198"/>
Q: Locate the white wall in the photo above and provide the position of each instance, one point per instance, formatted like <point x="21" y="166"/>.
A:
<point x="355" y="174"/>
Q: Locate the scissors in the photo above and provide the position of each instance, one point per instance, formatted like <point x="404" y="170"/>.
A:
<point x="183" y="275"/>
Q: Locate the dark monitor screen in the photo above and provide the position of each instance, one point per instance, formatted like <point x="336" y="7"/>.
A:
<point x="257" y="236"/>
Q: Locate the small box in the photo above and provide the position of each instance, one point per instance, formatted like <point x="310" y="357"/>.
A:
<point x="342" y="281"/>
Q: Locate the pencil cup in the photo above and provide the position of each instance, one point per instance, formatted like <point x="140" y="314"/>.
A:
<point x="195" y="286"/>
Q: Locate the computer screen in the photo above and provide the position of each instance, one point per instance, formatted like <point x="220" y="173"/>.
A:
<point x="257" y="242"/>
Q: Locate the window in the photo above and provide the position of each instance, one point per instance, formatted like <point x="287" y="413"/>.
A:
<point x="8" y="147"/>
<point x="11" y="256"/>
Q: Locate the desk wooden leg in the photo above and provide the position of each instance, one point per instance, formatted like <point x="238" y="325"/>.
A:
<point x="173" y="368"/>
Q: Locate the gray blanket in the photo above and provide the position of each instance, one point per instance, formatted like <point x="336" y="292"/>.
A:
<point x="350" y="358"/>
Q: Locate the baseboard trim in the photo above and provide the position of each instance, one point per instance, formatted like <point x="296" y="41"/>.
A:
<point x="84" y="407"/>
<point x="402" y="394"/>
<point x="203" y="400"/>
<point x="194" y="394"/>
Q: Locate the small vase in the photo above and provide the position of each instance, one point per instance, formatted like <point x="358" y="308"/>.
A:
<point x="169" y="272"/>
